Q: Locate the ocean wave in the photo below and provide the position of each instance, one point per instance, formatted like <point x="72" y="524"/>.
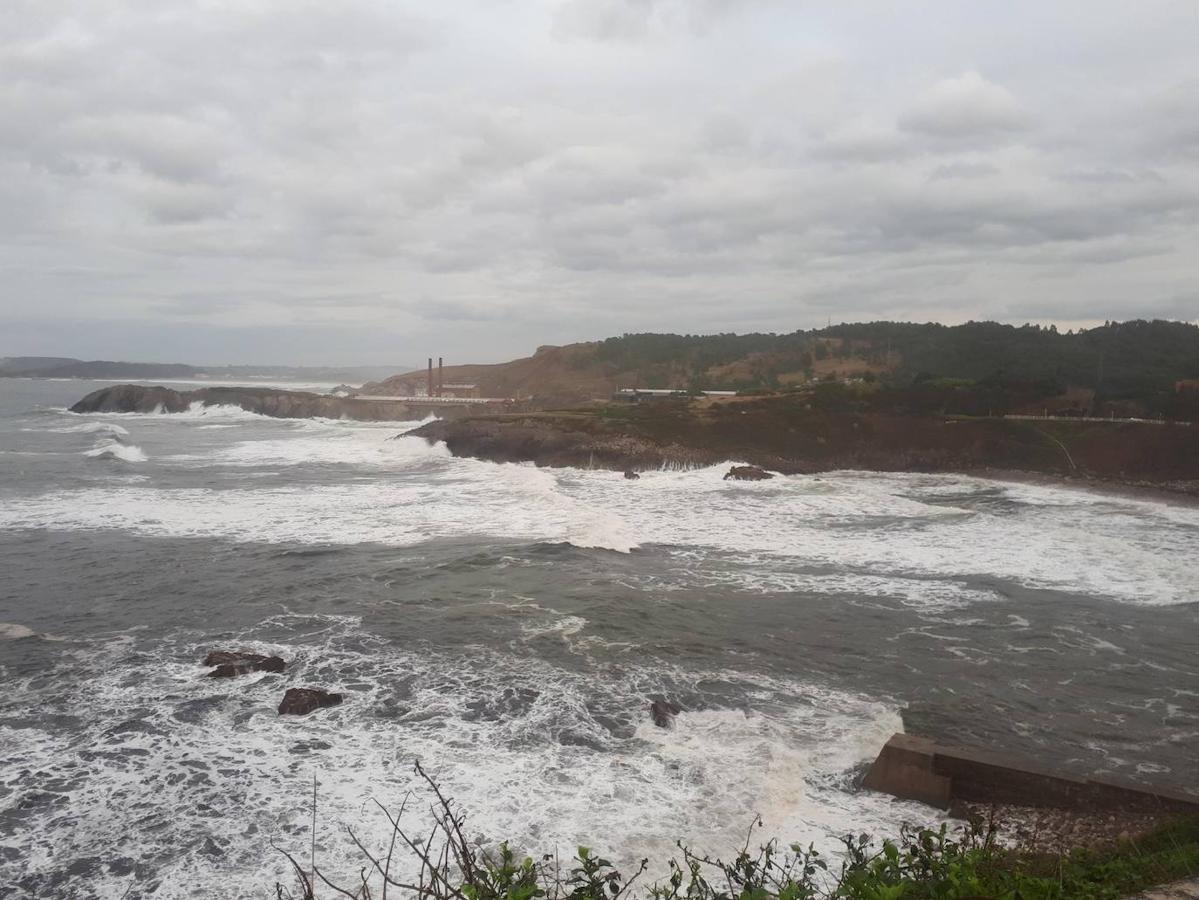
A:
<point x="114" y="449"/>
<point x="326" y="444"/>
<point x="936" y="541"/>
<point x="85" y="428"/>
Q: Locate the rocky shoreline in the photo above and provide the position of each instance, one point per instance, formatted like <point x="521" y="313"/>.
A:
<point x="274" y="402"/>
<point x="1041" y="829"/>
<point x="1150" y="460"/>
<point x="776" y="433"/>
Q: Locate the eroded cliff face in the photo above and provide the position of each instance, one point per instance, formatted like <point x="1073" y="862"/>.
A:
<point x="264" y="401"/>
<point x="558" y="440"/>
<point x="783" y="435"/>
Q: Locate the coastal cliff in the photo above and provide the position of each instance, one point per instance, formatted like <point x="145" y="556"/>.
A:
<point x="264" y="401"/>
<point x="788" y="435"/>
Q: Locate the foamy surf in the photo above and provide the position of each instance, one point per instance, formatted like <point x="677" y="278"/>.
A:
<point x="114" y="449"/>
<point x="545" y="756"/>
<point x="476" y="616"/>
<point x="909" y="536"/>
<point x="85" y="428"/>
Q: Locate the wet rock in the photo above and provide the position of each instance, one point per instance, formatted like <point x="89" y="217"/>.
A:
<point x="264" y="401"/>
<point x="302" y="701"/>
<point x="132" y="398"/>
<point x="231" y="663"/>
<point x="231" y="670"/>
<point x="10" y="632"/>
<point x="663" y="713"/>
<point x="747" y="473"/>
<point x="631" y="476"/>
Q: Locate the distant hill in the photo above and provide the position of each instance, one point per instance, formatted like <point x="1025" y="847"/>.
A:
<point x="28" y="365"/>
<point x="1136" y="363"/>
<point x="65" y="367"/>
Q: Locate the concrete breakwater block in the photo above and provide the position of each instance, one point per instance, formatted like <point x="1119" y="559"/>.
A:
<point x="904" y="769"/>
<point x="914" y="768"/>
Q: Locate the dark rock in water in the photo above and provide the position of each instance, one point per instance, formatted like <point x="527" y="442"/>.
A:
<point x="133" y="398"/>
<point x="747" y="473"/>
<point x="302" y="701"/>
<point x="663" y="713"/>
<point x="232" y="670"/>
<point x="230" y="663"/>
<point x="224" y="657"/>
<point x="631" y="476"/>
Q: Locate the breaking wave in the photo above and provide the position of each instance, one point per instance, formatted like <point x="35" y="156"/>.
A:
<point x="911" y="536"/>
<point x="114" y="449"/>
<point x="87" y="428"/>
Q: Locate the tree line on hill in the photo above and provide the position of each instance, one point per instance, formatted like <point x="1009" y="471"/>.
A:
<point x="1122" y="368"/>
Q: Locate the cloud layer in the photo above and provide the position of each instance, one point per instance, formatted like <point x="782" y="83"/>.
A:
<point x="286" y="181"/>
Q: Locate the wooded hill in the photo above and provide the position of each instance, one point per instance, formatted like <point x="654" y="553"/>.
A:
<point x="1128" y="368"/>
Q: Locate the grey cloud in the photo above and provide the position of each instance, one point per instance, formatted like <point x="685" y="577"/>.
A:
<point x="497" y="176"/>
<point x="623" y="20"/>
<point x="953" y="170"/>
<point x="860" y="142"/>
<point x="965" y="106"/>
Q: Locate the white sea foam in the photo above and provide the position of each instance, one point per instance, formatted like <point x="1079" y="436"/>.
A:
<point x="12" y="632"/>
<point x="85" y="428"/>
<point x="546" y="756"/>
<point x="918" y="539"/>
<point x="324" y="443"/>
<point x="112" y="448"/>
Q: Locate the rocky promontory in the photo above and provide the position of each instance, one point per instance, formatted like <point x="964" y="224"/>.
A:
<point x="783" y="433"/>
<point x="273" y="402"/>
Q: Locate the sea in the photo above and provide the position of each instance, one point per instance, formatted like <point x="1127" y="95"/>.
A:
<point x="507" y="626"/>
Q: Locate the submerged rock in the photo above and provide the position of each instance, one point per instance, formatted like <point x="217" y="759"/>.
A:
<point x="747" y="473"/>
<point x="264" y="664"/>
<point x="302" y="701"/>
<point x="231" y="663"/>
<point x="663" y="713"/>
<point x="631" y="476"/>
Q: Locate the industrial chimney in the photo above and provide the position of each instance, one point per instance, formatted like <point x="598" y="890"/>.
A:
<point x="440" y="382"/>
<point x="429" y="391"/>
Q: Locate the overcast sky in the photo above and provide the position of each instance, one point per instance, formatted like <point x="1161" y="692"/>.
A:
<point x="375" y="181"/>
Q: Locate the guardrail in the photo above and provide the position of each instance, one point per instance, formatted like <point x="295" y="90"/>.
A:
<point x="429" y="401"/>
<point x="1097" y="419"/>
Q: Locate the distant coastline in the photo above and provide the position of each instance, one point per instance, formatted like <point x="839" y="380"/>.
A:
<point x="58" y="367"/>
<point x="785" y="433"/>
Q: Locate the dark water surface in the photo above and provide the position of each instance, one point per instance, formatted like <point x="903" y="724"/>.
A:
<point x="506" y="625"/>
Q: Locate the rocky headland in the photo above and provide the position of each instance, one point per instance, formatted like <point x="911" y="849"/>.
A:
<point x="273" y="402"/>
<point x="787" y="434"/>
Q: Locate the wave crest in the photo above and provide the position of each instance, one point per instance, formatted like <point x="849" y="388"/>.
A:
<point x="114" y="449"/>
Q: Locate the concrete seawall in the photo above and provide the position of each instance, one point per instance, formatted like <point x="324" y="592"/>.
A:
<point x="915" y="768"/>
